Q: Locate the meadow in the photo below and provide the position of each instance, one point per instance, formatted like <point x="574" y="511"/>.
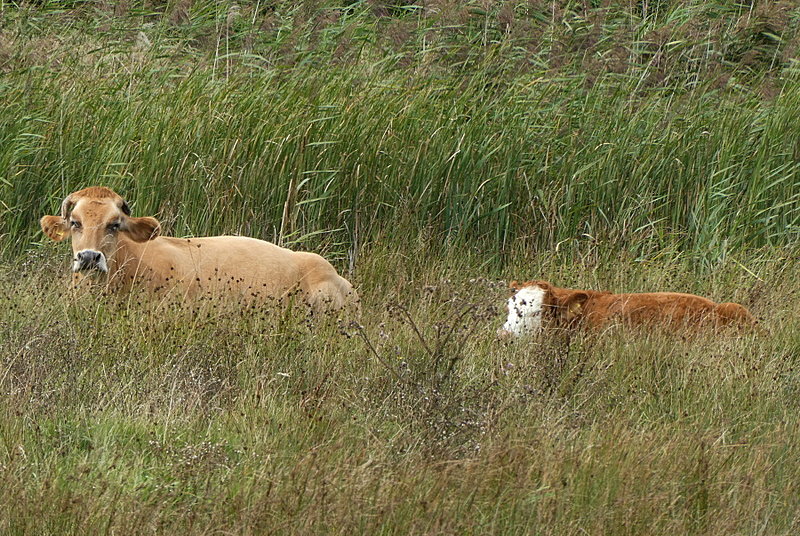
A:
<point x="432" y="151"/>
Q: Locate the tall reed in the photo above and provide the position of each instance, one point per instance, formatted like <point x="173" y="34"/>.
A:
<point x="317" y="154"/>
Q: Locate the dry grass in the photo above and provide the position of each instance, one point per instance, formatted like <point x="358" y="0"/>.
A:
<point x="418" y="421"/>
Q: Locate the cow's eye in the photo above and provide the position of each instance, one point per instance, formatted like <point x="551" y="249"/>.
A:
<point x="75" y="224"/>
<point x="113" y="227"/>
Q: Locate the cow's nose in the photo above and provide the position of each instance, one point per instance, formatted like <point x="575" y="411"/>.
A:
<point x="88" y="260"/>
<point x="89" y="257"/>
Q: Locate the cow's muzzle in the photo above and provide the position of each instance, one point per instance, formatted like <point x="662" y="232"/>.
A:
<point x="88" y="260"/>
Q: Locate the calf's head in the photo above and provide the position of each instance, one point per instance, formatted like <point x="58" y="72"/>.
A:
<point x="537" y="304"/>
<point x="96" y="219"/>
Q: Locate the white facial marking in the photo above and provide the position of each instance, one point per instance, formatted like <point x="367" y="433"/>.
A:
<point x="525" y="311"/>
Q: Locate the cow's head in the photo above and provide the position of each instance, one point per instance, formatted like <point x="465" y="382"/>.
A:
<point x="96" y="219"/>
<point x="536" y="304"/>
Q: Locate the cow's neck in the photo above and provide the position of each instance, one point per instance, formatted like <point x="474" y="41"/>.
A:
<point x="127" y="265"/>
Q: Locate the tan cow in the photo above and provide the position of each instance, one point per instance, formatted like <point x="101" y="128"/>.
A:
<point x="536" y="304"/>
<point x="106" y="239"/>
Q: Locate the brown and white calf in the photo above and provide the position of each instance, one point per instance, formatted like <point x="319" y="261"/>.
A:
<point x="538" y="304"/>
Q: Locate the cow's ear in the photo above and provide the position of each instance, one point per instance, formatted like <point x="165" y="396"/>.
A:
<point x="142" y="229"/>
<point x="514" y="285"/>
<point x="54" y="227"/>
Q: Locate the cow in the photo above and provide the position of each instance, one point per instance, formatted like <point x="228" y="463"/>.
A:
<point x="125" y="251"/>
<point x="538" y="304"/>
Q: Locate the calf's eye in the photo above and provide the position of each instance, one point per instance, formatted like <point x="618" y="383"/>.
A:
<point x="112" y="227"/>
<point x="75" y="224"/>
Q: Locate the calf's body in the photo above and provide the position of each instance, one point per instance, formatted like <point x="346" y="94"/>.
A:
<point x="659" y="308"/>
<point x="536" y="304"/>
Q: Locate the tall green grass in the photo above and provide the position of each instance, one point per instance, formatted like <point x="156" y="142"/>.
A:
<point x="339" y="154"/>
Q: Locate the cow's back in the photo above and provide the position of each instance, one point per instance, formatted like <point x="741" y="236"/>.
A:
<point x="245" y="267"/>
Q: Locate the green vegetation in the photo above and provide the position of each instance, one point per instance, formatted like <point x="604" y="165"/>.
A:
<point x="430" y="150"/>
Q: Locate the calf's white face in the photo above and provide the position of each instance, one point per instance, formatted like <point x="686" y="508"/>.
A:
<point x="525" y="309"/>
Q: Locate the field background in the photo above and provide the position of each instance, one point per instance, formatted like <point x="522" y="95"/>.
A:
<point x="433" y="151"/>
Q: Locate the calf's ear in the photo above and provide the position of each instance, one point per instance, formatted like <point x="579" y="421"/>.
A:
<point x="573" y="303"/>
<point x="515" y="285"/>
<point x="54" y="227"/>
<point x="142" y="229"/>
<point x="544" y="285"/>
